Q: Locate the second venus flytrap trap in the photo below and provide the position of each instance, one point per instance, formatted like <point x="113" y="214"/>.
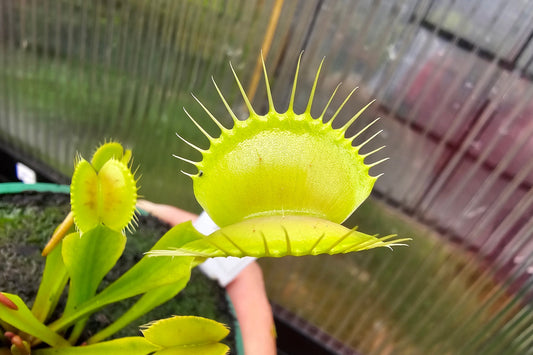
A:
<point x="281" y="183"/>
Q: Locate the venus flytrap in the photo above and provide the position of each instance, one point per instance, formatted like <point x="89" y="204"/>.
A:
<point x="103" y="198"/>
<point x="277" y="184"/>
<point x="281" y="183"/>
<point x="104" y="191"/>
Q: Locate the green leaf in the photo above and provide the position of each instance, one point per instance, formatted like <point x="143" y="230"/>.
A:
<point x="172" y="336"/>
<point x="207" y="349"/>
<point x="88" y="258"/>
<point x="277" y="236"/>
<point x="122" y="346"/>
<point x="149" y="273"/>
<point x="24" y="320"/>
<point x="146" y="303"/>
<point x="186" y="332"/>
<point x="53" y="282"/>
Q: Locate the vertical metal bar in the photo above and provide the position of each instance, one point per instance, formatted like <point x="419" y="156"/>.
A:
<point x="267" y="42"/>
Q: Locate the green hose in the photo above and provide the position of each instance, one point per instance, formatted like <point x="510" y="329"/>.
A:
<point x="16" y="187"/>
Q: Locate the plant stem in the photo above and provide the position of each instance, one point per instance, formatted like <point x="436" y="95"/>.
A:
<point x="59" y="234"/>
<point x="53" y="282"/>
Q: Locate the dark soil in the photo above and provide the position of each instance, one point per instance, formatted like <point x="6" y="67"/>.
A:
<point x="27" y="221"/>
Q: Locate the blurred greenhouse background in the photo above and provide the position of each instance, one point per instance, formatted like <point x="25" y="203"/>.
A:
<point x="453" y="83"/>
